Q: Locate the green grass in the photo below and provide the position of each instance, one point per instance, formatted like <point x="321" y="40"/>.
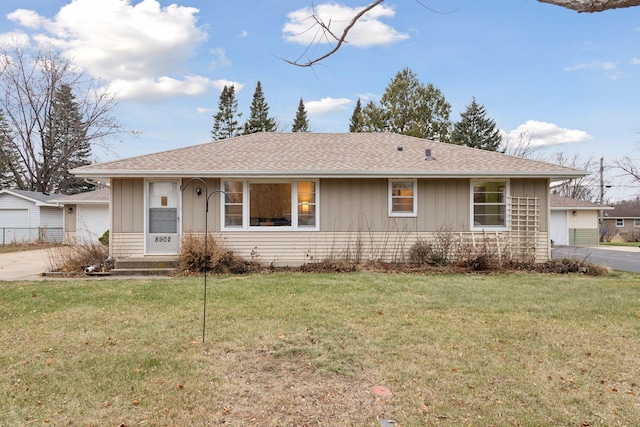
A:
<point x="307" y="349"/>
<point x="633" y="244"/>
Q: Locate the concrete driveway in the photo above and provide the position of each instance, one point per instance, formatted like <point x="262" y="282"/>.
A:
<point x="624" y="258"/>
<point x="25" y="265"/>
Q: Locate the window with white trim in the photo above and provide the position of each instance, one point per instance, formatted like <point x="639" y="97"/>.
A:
<point x="489" y="204"/>
<point x="270" y="205"/>
<point x="403" y="197"/>
<point x="636" y="222"/>
<point x="619" y="222"/>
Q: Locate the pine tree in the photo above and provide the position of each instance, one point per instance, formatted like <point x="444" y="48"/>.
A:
<point x="410" y="108"/>
<point x="225" y="121"/>
<point x="66" y="144"/>
<point x="259" y="120"/>
<point x="476" y="130"/>
<point x="357" y="121"/>
<point x="8" y="155"/>
<point x="300" y="123"/>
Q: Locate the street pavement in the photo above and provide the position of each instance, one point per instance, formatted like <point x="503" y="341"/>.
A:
<point x="624" y="258"/>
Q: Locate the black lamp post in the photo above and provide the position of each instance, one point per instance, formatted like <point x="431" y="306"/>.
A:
<point x="206" y="232"/>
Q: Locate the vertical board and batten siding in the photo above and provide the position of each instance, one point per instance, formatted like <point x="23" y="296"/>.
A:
<point x="127" y="198"/>
<point x="583" y="227"/>
<point x="127" y="218"/>
<point x="353" y="220"/>
<point x="534" y="188"/>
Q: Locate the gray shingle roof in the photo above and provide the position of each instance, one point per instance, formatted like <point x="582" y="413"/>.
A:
<point x="34" y="196"/>
<point x="564" y="203"/>
<point x="100" y="196"/>
<point x="326" y="155"/>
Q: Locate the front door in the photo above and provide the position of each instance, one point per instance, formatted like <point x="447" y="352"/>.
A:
<point x="163" y="220"/>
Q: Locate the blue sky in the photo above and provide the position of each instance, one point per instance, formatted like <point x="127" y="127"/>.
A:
<point x="572" y="81"/>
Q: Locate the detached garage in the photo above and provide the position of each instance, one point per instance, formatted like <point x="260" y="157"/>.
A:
<point x="574" y="222"/>
<point x="86" y="216"/>
<point x="29" y="216"/>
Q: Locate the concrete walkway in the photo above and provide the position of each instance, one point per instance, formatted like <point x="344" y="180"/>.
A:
<point x="25" y="265"/>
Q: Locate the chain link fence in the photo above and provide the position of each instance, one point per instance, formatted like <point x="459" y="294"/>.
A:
<point x="17" y="235"/>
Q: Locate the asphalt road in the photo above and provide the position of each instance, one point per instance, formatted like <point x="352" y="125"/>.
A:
<point x="624" y="258"/>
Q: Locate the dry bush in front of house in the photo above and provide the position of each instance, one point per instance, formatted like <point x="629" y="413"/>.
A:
<point x="569" y="265"/>
<point x="219" y="259"/>
<point x="75" y="258"/>
<point x="330" y="266"/>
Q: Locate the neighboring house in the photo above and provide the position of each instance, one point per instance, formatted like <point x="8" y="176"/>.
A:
<point x="86" y="216"/>
<point x="622" y="221"/>
<point x="29" y="216"/>
<point x="575" y="222"/>
<point x="291" y="198"/>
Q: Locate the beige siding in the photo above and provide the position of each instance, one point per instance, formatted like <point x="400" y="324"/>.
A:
<point x="125" y="245"/>
<point x="193" y="207"/>
<point x="582" y="219"/>
<point x="127" y="198"/>
<point x="348" y="205"/>
<point x="534" y="188"/>
<point x="354" y="221"/>
<point x="283" y="248"/>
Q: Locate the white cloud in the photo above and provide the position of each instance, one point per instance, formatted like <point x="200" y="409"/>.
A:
<point x="113" y="40"/>
<point x="635" y="61"/>
<point x="221" y="59"/>
<point x="545" y="134"/>
<point x="14" y="39"/>
<point x="162" y="87"/>
<point x="27" y="18"/>
<point x="368" y="31"/>
<point x="244" y="34"/>
<point x="327" y="105"/>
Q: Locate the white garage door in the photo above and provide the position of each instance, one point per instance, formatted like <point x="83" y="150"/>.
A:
<point x="93" y="221"/>
<point x="13" y="226"/>
<point x="559" y="228"/>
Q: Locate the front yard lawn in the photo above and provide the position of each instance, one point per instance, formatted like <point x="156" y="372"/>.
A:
<point x="295" y="349"/>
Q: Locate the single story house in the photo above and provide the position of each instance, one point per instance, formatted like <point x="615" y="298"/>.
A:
<point x="291" y="198"/>
<point x="622" y="221"/>
<point x="575" y="222"/>
<point x="29" y="216"/>
<point x="86" y="216"/>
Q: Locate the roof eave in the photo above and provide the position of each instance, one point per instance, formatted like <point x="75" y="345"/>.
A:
<point x="552" y="175"/>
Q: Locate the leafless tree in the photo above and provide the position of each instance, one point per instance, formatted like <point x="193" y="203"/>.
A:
<point x="520" y="145"/>
<point x="29" y="81"/>
<point x="340" y="39"/>
<point x="584" y="188"/>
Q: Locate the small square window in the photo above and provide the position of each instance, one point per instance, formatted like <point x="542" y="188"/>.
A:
<point x="636" y="222"/>
<point x="403" y="198"/>
<point x="619" y="222"/>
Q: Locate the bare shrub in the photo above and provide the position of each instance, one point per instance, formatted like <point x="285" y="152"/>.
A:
<point x="569" y="265"/>
<point x="330" y="266"/>
<point x="75" y="258"/>
<point x="218" y="259"/>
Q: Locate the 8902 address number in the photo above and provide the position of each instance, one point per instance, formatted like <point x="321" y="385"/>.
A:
<point x="163" y="239"/>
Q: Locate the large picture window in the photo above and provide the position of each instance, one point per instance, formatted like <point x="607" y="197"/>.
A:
<point x="489" y="202"/>
<point x="267" y="205"/>
<point x="402" y="197"/>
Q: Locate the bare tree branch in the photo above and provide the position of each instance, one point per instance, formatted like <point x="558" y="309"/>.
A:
<point x="340" y="40"/>
<point x="592" y="5"/>
<point x="577" y="5"/>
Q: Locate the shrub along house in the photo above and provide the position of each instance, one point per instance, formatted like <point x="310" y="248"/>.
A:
<point x="291" y="198"/>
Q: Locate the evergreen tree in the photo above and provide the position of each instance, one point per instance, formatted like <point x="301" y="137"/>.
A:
<point x="410" y="108"/>
<point x="66" y="144"/>
<point x="475" y="129"/>
<point x="7" y="151"/>
<point x="225" y="121"/>
<point x="300" y="123"/>
<point x="357" y="121"/>
<point x="259" y="120"/>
